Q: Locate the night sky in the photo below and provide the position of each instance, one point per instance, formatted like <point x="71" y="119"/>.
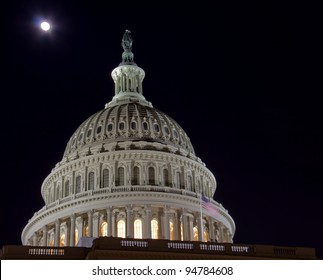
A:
<point x="243" y="81"/>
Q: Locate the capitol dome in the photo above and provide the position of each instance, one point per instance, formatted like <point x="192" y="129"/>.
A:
<point x="129" y="170"/>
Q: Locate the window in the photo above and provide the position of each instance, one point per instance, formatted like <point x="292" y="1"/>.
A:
<point x="171" y="230"/>
<point x="62" y="240"/>
<point x="195" y="234"/>
<point x="99" y="129"/>
<point x="175" y="133"/>
<point x="121" y="125"/>
<point x="78" y="184"/>
<point x="156" y="127"/>
<point x="154" y="229"/>
<point x="151" y="175"/>
<point x="76" y="236"/>
<point x="104" y="229"/>
<point x="121" y="229"/>
<point x="138" y="228"/>
<point x="91" y="181"/>
<point x="109" y="127"/>
<point x="105" y="178"/>
<point x="166" y="130"/>
<point x="189" y="182"/>
<point x="178" y="180"/>
<point x="120" y="177"/>
<point x="133" y="125"/>
<point x="81" y="137"/>
<point x="136" y="176"/>
<point x="145" y="125"/>
<point x="67" y="188"/>
<point x="165" y="177"/>
<point x="89" y="132"/>
<point x="182" y="232"/>
<point x="205" y="235"/>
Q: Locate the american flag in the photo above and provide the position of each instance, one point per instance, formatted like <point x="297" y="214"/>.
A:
<point x="207" y="205"/>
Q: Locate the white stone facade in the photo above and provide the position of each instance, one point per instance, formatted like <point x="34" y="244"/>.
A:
<point x="129" y="171"/>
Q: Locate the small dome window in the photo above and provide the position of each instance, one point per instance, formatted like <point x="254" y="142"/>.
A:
<point x="156" y="127"/>
<point x="166" y="129"/>
<point x="145" y="125"/>
<point x="99" y="129"/>
<point x="121" y="125"/>
<point x="109" y="127"/>
<point x="89" y="132"/>
<point x="175" y="133"/>
<point x="81" y="137"/>
<point x="73" y="142"/>
<point x="133" y="125"/>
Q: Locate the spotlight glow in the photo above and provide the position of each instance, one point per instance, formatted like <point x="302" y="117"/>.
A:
<point x="45" y="26"/>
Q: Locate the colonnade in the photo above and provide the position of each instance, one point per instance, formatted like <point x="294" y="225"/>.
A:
<point x="131" y="221"/>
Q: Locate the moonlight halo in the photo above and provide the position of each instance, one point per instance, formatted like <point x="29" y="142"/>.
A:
<point x="45" y="26"/>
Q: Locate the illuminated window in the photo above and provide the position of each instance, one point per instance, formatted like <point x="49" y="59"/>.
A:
<point x="76" y="236"/>
<point x="151" y="175"/>
<point x="182" y="232"/>
<point x="154" y="229"/>
<point x="86" y="231"/>
<point x="105" y="178"/>
<point x="121" y="229"/>
<point x="171" y="230"/>
<point x="195" y="234"/>
<point x="78" y="184"/>
<point x="62" y="240"/>
<point x="104" y="229"/>
<point x="91" y="181"/>
<point x="136" y="176"/>
<point x="138" y="228"/>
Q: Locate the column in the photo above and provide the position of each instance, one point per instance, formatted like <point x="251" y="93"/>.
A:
<point x="129" y="225"/>
<point x="90" y="223"/>
<point x="211" y="229"/>
<point x="185" y="226"/>
<point x="166" y="223"/>
<point x="72" y="230"/>
<point x="109" y="221"/>
<point x="44" y="236"/>
<point x="148" y="221"/>
<point x="57" y="233"/>
<point x="200" y="227"/>
<point x="113" y="226"/>
<point x="96" y="224"/>
<point x="190" y="226"/>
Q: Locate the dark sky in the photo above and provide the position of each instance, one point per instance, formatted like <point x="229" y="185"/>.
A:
<point x="243" y="81"/>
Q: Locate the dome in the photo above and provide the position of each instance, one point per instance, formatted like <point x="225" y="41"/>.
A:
<point x="129" y="170"/>
<point x="136" y="124"/>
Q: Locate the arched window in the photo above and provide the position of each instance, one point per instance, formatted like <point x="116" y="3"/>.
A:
<point x="195" y="234"/>
<point x="105" y="178"/>
<point x="104" y="229"/>
<point x="57" y="192"/>
<point x="151" y="175"/>
<point x="91" y="181"/>
<point x="67" y="188"/>
<point x="171" y="230"/>
<point x="138" y="228"/>
<point x="136" y="176"/>
<point x="165" y="177"/>
<point x="120" y="177"/>
<point x="78" y="184"/>
<point x="121" y="229"/>
<point x="154" y="229"/>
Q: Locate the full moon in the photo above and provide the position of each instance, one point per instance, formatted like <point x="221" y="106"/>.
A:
<point x="45" y="26"/>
